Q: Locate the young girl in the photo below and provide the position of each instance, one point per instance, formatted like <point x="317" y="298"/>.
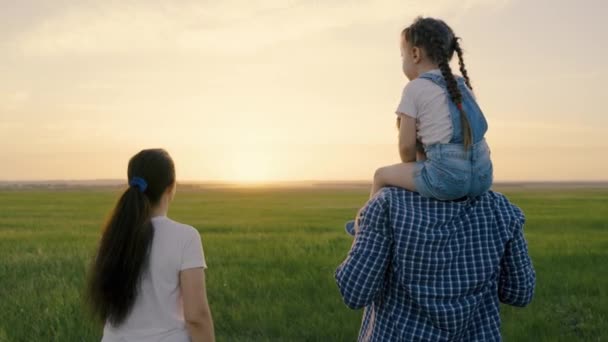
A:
<point x="147" y="282"/>
<point x="441" y="128"/>
<point x="439" y="110"/>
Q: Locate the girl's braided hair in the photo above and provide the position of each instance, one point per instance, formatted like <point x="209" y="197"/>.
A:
<point x="439" y="42"/>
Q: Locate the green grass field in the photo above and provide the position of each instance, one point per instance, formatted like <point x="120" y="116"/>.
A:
<point x="272" y="255"/>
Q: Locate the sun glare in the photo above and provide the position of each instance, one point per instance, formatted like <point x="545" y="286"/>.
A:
<point x="251" y="167"/>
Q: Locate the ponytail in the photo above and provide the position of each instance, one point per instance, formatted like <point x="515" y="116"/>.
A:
<point x="122" y="257"/>
<point x="123" y="253"/>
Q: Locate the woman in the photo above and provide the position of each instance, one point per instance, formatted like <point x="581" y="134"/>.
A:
<point x="147" y="281"/>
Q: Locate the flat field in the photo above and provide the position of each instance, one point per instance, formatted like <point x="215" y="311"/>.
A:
<point x="272" y="253"/>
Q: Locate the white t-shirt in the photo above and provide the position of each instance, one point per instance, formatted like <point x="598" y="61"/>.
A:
<point x="158" y="313"/>
<point x="427" y="102"/>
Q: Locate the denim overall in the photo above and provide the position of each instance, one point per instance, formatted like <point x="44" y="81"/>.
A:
<point x="450" y="172"/>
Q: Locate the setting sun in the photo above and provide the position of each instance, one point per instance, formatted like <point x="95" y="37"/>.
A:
<point x="257" y="91"/>
<point x="250" y="166"/>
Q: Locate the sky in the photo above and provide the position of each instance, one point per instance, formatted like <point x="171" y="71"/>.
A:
<point x="269" y="90"/>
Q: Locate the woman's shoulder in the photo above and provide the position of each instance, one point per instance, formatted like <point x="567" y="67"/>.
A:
<point x="175" y="226"/>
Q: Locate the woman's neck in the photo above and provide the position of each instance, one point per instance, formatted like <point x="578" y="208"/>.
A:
<point x="160" y="209"/>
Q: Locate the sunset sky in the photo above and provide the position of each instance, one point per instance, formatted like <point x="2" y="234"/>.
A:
<point x="269" y="90"/>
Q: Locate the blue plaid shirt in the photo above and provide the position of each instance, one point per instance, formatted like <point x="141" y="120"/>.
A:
<point x="427" y="270"/>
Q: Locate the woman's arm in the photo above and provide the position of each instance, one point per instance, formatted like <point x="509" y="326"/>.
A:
<point x="407" y="138"/>
<point x="196" y="308"/>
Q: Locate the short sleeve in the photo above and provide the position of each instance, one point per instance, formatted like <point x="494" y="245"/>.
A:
<point x="409" y="100"/>
<point x="192" y="252"/>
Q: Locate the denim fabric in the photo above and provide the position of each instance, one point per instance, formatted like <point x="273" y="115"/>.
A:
<point x="451" y="172"/>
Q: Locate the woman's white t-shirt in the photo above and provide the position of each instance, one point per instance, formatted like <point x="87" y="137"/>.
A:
<point x="427" y="102"/>
<point x="158" y="312"/>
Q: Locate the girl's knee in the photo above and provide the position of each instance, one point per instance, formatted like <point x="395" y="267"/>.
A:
<point x="379" y="174"/>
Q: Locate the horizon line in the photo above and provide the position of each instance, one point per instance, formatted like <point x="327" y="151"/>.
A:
<point x="118" y="182"/>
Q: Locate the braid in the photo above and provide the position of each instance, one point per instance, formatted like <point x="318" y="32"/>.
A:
<point x="455" y="94"/>
<point x="463" y="70"/>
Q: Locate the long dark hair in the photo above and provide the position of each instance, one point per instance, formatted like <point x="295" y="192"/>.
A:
<point x="122" y="257"/>
<point x="439" y="42"/>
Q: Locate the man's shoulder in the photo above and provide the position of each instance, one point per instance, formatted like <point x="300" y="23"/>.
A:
<point x="490" y="199"/>
<point x="391" y="193"/>
<point x="501" y="202"/>
<point x="406" y="206"/>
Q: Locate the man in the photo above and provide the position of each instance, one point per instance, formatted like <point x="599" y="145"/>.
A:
<point x="429" y="270"/>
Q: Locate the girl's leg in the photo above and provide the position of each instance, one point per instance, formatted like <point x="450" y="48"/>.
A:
<point x="400" y="175"/>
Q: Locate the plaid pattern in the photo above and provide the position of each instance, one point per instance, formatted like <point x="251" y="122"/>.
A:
<point x="427" y="270"/>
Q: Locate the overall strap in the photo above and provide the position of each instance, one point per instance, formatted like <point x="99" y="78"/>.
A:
<point x="440" y="81"/>
<point x="437" y="79"/>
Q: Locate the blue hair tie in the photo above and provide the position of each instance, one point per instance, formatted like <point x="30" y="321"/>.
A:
<point x="140" y="183"/>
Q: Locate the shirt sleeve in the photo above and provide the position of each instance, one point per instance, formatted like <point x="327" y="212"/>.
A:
<point x="361" y="276"/>
<point x="409" y="100"/>
<point x="192" y="252"/>
<point x="517" y="276"/>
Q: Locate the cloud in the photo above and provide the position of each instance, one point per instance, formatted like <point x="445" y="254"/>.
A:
<point x="220" y="27"/>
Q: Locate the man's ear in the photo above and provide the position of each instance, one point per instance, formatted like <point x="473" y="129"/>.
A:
<point x="416" y="54"/>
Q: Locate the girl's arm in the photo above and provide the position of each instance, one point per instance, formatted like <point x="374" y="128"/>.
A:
<point x="407" y="138"/>
<point x="196" y="309"/>
<point x="420" y="154"/>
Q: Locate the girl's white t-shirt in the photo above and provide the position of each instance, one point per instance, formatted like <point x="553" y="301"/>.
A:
<point x="427" y="102"/>
<point x="158" y="313"/>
